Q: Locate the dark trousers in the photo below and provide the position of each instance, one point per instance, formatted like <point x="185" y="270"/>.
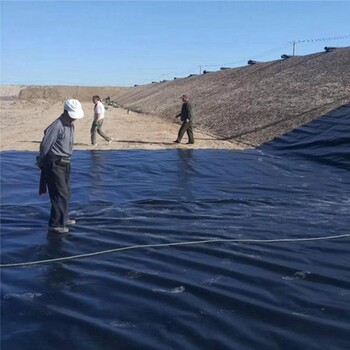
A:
<point x="58" y="183"/>
<point x="97" y="127"/>
<point x="186" y="127"/>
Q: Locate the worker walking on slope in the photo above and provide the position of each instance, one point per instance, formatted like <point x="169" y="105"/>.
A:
<point x="186" y="118"/>
<point x="99" y="115"/>
<point x="56" y="149"/>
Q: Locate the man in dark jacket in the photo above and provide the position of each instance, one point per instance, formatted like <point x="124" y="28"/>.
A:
<point x="56" y="149"/>
<point x="186" y="118"/>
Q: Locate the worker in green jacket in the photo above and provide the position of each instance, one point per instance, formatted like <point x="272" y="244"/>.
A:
<point x="186" y="118"/>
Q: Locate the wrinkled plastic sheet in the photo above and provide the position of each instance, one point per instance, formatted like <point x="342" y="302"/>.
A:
<point x="286" y="295"/>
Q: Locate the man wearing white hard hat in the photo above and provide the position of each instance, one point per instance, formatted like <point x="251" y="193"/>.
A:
<point x="56" y="149"/>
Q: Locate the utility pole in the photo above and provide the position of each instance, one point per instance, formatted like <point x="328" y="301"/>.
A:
<point x="294" y="47"/>
<point x="200" y="69"/>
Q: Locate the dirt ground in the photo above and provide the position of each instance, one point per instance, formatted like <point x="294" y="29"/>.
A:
<point x="23" y="124"/>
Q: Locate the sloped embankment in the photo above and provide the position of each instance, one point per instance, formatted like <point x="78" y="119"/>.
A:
<point x="253" y="104"/>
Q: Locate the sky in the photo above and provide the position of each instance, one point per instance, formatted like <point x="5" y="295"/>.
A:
<point x="115" y="43"/>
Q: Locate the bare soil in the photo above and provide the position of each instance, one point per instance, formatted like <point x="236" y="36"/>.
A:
<point x="23" y="124"/>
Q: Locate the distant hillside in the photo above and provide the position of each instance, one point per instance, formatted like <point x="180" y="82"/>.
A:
<point x="253" y="104"/>
<point x="10" y="92"/>
<point x="60" y="93"/>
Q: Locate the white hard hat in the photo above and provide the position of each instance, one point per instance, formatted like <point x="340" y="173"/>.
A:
<point x="74" y="109"/>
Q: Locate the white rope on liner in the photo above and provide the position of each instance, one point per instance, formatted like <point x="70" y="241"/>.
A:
<point x="175" y="244"/>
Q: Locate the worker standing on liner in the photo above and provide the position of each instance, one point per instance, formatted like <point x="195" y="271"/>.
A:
<point x="99" y="115"/>
<point x="186" y="118"/>
<point x="56" y="149"/>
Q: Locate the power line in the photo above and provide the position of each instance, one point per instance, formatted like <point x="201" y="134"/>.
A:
<point x="295" y="42"/>
<point x="340" y="37"/>
<point x="271" y="51"/>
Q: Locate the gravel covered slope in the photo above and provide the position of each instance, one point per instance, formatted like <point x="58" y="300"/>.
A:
<point x="253" y="104"/>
